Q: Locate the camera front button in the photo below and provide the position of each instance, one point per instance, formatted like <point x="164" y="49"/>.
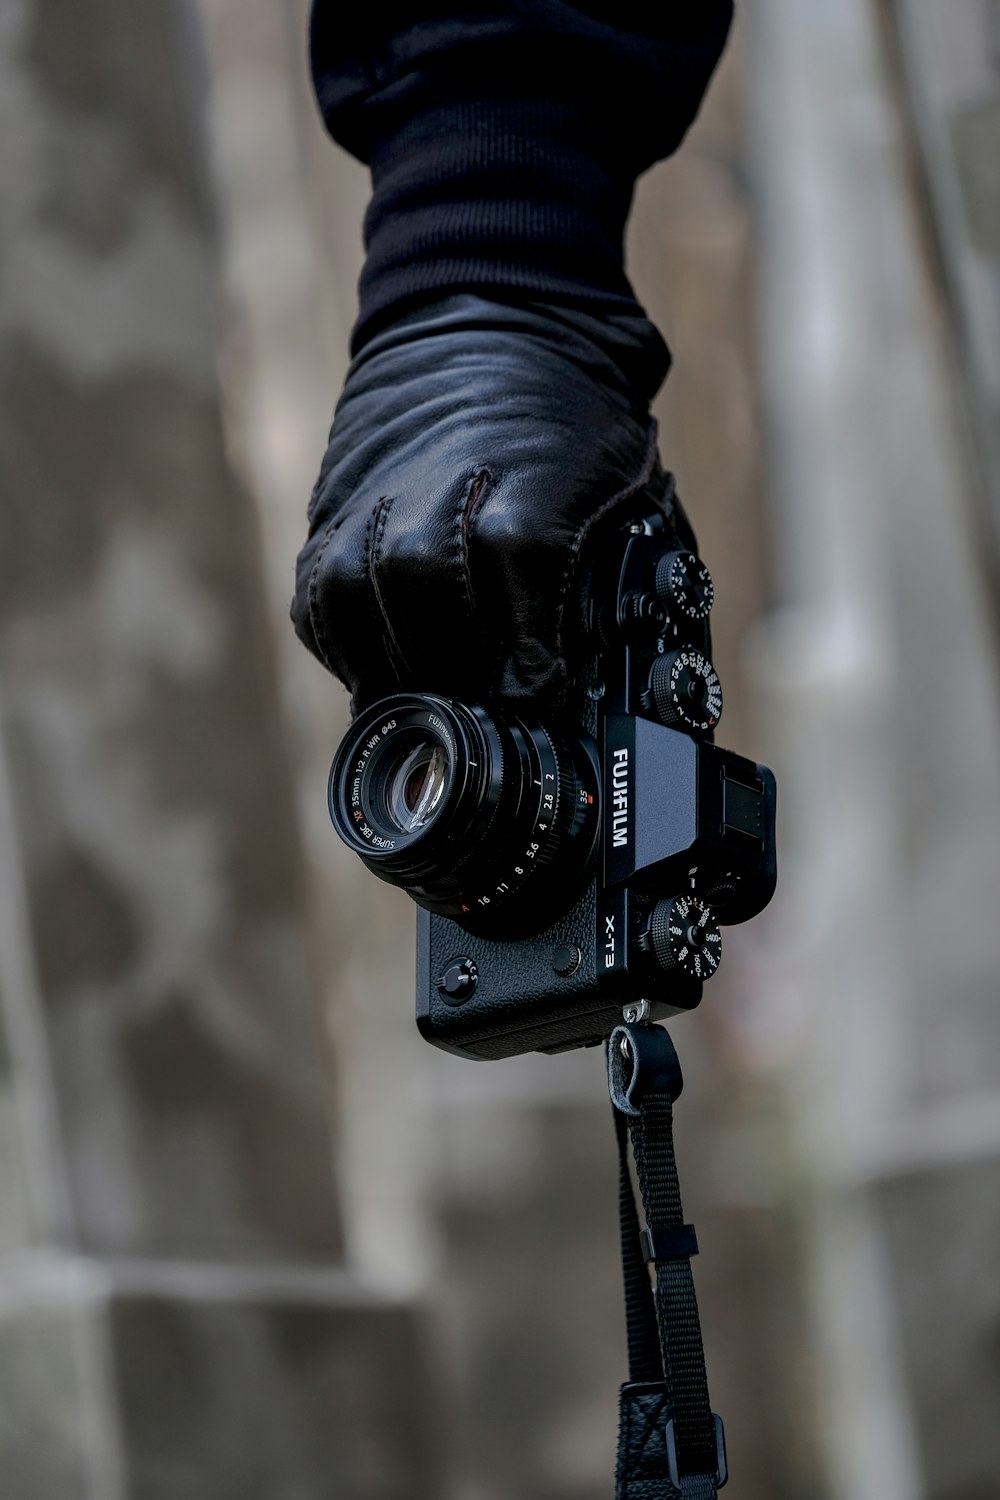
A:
<point x="566" y="960"/>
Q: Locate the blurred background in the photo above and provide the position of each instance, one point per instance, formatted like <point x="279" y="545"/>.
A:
<point x="256" y="1239"/>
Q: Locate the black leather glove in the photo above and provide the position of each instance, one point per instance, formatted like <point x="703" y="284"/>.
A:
<point x="475" y="448"/>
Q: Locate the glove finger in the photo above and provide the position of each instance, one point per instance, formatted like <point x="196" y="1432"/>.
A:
<point x="424" y="590"/>
<point x="336" y="609"/>
<point x="526" y="548"/>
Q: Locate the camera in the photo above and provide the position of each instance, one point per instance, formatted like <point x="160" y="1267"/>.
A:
<point x="569" y="871"/>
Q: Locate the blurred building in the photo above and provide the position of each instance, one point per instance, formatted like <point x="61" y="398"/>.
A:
<point x="256" y="1238"/>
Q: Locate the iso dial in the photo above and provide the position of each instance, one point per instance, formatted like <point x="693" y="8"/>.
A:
<point x="685" y="691"/>
<point x="685" y="585"/>
<point x="684" y="937"/>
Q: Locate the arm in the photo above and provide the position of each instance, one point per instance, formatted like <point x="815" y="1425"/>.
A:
<point x="497" y="406"/>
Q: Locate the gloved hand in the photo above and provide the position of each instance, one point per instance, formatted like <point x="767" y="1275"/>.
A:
<point x="475" y="447"/>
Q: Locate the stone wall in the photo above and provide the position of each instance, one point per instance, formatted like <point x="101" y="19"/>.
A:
<point x="256" y="1238"/>
<point x="173" y="1316"/>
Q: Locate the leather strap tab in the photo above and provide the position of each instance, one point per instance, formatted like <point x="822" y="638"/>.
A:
<point x="647" y="1063"/>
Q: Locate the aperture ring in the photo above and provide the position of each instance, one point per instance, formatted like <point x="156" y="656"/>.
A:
<point x="561" y="797"/>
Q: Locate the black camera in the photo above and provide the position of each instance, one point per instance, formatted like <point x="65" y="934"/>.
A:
<point x="569" y="872"/>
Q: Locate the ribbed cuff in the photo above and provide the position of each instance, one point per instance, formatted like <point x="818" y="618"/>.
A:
<point x="494" y="194"/>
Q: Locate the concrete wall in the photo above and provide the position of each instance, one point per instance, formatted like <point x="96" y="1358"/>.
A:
<point x="255" y="1237"/>
<point x="174" y="1318"/>
<point x="877" y="671"/>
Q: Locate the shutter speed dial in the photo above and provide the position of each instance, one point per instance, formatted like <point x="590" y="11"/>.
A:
<point x="685" y="691"/>
<point x="685" y="585"/>
<point x="684" y="938"/>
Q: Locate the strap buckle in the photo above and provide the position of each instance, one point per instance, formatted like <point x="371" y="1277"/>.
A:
<point x="721" y="1469"/>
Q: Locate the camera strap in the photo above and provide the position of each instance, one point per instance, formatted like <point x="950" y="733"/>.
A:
<point x="671" y="1445"/>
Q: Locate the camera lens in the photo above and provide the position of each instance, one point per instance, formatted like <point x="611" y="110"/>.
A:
<point x="490" y="822"/>
<point x="416" y="787"/>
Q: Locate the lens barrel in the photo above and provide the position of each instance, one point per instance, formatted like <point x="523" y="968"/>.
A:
<point x="465" y="811"/>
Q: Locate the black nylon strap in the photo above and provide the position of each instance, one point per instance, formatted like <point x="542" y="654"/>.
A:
<point x="676" y="1305"/>
<point x="670" y="1444"/>
<point x="642" y="1334"/>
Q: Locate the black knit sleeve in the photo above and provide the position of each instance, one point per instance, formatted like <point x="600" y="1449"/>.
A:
<point x="504" y="142"/>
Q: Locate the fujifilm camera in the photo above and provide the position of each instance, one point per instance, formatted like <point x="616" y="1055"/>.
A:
<point x="570" y="871"/>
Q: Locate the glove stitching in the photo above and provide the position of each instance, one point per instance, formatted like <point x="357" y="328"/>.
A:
<point x="314" y="496"/>
<point x="312" y="594"/>
<point x="379" y="520"/>
<point x="479" y="487"/>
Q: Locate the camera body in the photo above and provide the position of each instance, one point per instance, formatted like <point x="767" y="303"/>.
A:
<point x="566" y="873"/>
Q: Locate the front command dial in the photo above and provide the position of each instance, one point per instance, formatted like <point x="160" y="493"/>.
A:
<point x="685" y="691"/>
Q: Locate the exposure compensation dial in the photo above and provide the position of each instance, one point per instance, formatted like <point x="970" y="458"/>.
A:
<point x="685" y="586"/>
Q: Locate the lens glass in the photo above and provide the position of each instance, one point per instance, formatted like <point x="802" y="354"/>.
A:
<point x="415" y="788"/>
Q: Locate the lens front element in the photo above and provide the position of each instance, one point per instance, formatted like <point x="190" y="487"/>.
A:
<point x="416" y="788"/>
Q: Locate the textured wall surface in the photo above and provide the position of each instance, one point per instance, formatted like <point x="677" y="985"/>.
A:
<point x="199" y="993"/>
<point x="878" y="675"/>
<point x="168" y="1324"/>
